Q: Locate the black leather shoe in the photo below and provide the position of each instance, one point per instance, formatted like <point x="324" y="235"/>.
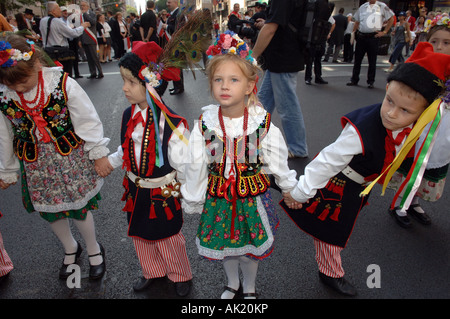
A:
<point x="63" y="273"/>
<point x="370" y="85"/>
<point x="97" y="271"/>
<point x="351" y="83"/>
<point x="422" y="218"/>
<point x="100" y="76"/>
<point x="142" y="284"/>
<point x="338" y="284"/>
<point x="320" y="81"/>
<point x="176" y="91"/>
<point x="183" y="288"/>
<point x="403" y="221"/>
<point x="78" y="76"/>
<point x="4" y="278"/>
<point x="92" y="76"/>
<point x="308" y="82"/>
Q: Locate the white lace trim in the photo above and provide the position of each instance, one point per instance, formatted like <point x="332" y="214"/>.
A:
<point x="9" y="178"/>
<point x="73" y="205"/>
<point x="233" y="126"/>
<point x="247" y="249"/>
<point x="98" y="152"/>
<point x="51" y="78"/>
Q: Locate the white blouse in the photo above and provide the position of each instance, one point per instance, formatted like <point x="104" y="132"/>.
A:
<point x="273" y="147"/>
<point x="85" y="120"/>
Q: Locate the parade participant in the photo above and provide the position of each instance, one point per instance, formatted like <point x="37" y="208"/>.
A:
<point x="225" y="181"/>
<point x="333" y="182"/>
<point x="153" y="146"/>
<point x="432" y="184"/>
<point x="52" y="133"/>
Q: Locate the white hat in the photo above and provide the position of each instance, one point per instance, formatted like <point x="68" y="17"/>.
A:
<point x="63" y="8"/>
<point x="349" y="15"/>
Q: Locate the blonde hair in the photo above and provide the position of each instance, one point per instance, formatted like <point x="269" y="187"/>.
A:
<point x="250" y="72"/>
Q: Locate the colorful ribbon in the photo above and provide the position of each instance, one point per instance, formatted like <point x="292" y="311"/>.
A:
<point x="159" y="158"/>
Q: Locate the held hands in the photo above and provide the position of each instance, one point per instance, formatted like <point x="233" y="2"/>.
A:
<point x="290" y="202"/>
<point x="103" y="167"/>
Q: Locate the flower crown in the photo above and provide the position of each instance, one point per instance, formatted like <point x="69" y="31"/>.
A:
<point x="9" y="56"/>
<point x="229" y="42"/>
<point x="438" y="20"/>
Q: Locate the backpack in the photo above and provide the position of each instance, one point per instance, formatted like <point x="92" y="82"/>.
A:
<point x="313" y="26"/>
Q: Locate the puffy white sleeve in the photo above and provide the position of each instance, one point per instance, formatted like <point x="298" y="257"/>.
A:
<point x="275" y="154"/>
<point x="86" y="122"/>
<point x="193" y="190"/>
<point x="330" y="161"/>
<point x="9" y="163"/>
<point x="178" y="151"/>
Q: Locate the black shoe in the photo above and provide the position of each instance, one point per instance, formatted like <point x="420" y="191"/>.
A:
<point x="320" y="81"/>
<point x="100" y="76"/>
<point x="183" y="288"/>
<point x="142" y="284"/>
<point x="403" y="221"/>
<point x="237" y="293"/>
<point x="176" y="91"/>
<point x="336" y="61"/>
<point x="4" y="278"/>
<point x="308" y="82"/>
<point x="92" y="76"/>
<point x="370" y="86"/>
<point x="325" y="60"/>
<point x="339" y="284"/>
<point x="78" y="76"/>
<point x="97" y="271"/>
<point x="422" y="218"/>
<point x="351" y="83"/>
<point x="63" y="273"/>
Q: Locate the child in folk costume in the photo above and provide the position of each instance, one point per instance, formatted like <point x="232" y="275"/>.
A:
<point x="52" y="133"/>
<point x="151" y="152"/>
<point x="431" y="186"/>
<point x="225" y="179"/>
<point x="332" y="183"/>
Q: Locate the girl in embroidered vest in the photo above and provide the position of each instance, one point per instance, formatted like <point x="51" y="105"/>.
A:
<point x="432" y="184"/>
<point x="53" y="135"/>
<point x="152" y="155"/>
<point x="333" y="182"/>
<point x="225" y="179"/>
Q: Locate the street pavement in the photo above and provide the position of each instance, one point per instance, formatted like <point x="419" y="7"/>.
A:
<point x="411" y="263"/>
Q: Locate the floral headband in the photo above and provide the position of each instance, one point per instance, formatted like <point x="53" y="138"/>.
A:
<point x="9" y="56"/>
<point x="151" y="74"/>
<point x="229" y="42"/>
<point x="438" y="20"/>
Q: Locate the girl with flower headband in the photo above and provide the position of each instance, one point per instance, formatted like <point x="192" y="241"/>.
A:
<point x="432" y="184"/>
<point x="53" y="135"/>
<point x="225" y="178"/>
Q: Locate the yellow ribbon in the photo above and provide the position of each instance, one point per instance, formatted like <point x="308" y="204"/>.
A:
<point x="426" y="117"/>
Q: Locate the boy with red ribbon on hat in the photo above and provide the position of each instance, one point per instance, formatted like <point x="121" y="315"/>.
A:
<point x="332" y="191"/>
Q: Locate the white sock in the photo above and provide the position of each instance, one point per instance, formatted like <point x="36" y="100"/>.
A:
<point x="397" y="211"/>
<point x="87" y="230"/>
<point x="231" y="267"/>
<point x="249" y="269"/>
<point x="61" y="229"/>
<point x="417" y="208"/>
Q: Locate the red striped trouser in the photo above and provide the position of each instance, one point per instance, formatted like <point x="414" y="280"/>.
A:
<point x="328" y="259"/>
<point x="164" y="257"/>
<point x="6" y="264"/>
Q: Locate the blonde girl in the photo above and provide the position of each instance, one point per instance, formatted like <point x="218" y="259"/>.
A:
<point x="231" y="149"/>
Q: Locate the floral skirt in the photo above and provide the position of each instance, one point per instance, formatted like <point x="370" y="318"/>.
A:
<point x="60" y="186"/>
<point x="254" y="227"/>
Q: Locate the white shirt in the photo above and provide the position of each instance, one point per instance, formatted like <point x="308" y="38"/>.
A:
<point x="84" y="117"/>
<point x="273" y="148"/>
<point x="59" y="32"/>
<point x="372" y="16"/>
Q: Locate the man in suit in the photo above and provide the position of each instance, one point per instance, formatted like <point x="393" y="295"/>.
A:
<point x="173" y="24"/>
<point x="89" y="41"/>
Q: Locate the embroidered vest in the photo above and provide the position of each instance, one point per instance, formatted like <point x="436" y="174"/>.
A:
<point x="251" y="179"/>
<point x="59" y="125"/>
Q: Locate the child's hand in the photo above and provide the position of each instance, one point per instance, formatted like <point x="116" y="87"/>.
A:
<point x="290" y="202"/>
<point x="103" y="167"/>
<point x="4" y="185"/>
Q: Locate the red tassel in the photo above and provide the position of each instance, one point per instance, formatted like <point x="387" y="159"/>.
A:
<point x="129" y="204"/>
<point x="177" y="203"/>
<point x="325" y="212"/>
<point x="152" y="211"/>
<point x="336" y="212"/>
<point x="168" y="211"/>
<point x="312" y="208"/>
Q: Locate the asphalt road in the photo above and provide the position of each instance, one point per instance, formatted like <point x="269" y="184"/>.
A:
<point x="413" y="264"/>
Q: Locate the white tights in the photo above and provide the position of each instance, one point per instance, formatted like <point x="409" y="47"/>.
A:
<point x="61" y="228"/>
<point x="249" y="270"/>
